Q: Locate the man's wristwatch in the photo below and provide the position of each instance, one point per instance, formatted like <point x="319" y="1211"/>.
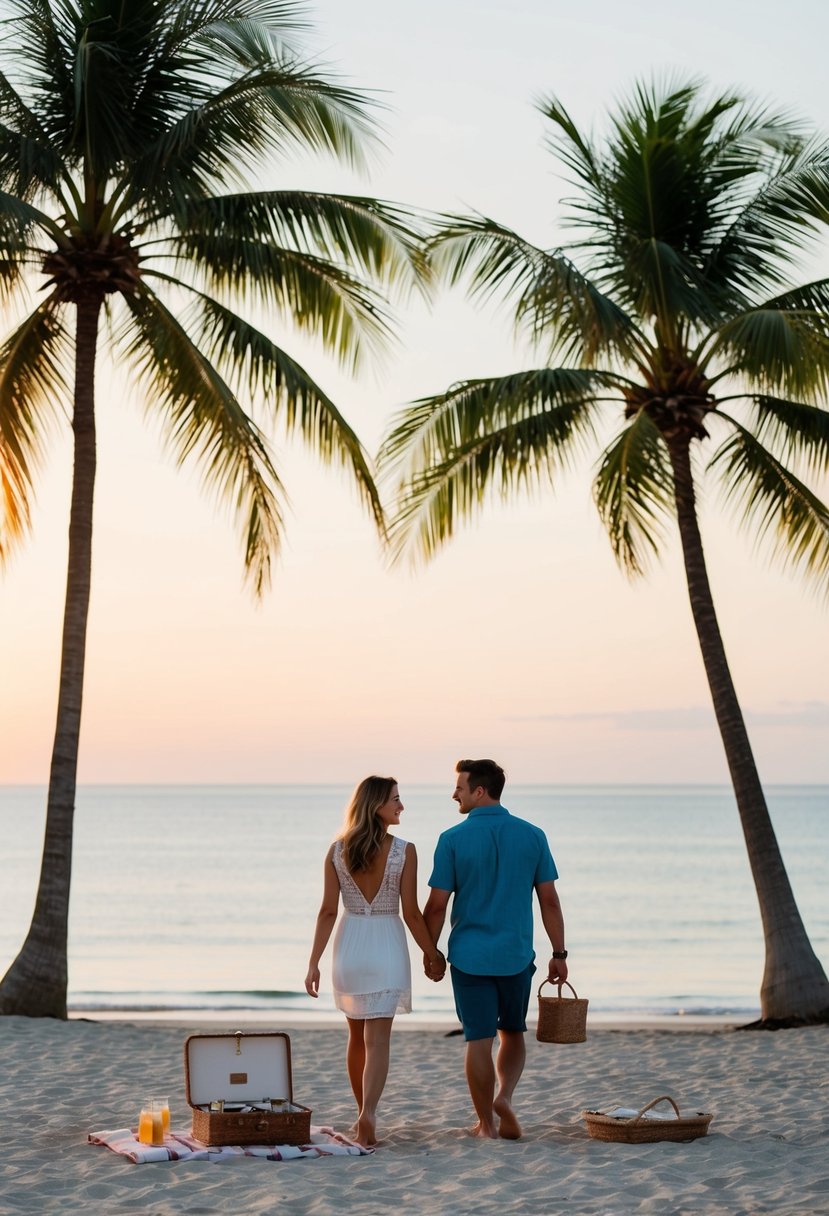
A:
<point x="559" y="954"/>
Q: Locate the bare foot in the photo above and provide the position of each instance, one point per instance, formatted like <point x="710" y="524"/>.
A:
<point x="366" y="1133"/>
<point x="510" y="1128"/>
<point x="483" y="1132"/>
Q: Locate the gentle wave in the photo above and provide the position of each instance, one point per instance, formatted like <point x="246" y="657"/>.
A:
<point x="299" y="1004"/>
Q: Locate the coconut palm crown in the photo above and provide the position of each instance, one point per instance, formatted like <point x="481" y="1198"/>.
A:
<point x="130" y="131"/>
<point x="677" y="307"/>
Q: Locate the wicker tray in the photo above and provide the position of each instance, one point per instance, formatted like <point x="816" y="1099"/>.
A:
<point x="639" y="1130"/>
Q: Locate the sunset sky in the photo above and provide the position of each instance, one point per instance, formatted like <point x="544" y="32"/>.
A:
<point x="522" y="640"/>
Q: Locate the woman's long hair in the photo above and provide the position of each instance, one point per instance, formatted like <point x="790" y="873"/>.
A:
<point x="363" y="832"/>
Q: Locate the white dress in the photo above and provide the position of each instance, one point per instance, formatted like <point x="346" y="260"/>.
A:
<point x="372" y="975"/>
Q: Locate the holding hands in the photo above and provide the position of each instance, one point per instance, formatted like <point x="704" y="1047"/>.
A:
<point x="434" y="965"/>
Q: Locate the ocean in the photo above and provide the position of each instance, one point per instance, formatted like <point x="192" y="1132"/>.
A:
<point x="201" y="900"/>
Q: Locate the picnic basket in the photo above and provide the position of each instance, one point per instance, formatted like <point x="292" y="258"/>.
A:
<point x="637" y="1129"/>
<point x="561" y="1019"/>
<point x="246" y="1066"/>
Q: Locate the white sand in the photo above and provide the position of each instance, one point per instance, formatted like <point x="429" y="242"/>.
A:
<point x="767" y="1151"/>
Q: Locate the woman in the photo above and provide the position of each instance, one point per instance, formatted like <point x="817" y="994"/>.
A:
<point x="376" y="874"/>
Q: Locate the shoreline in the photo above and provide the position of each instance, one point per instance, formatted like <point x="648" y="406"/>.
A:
<point x="445" y="1026"/>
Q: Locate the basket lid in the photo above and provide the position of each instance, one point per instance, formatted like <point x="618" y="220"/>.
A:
<point x="237" y="1066"/>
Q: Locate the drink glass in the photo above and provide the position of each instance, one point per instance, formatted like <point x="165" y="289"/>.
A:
<point x="162" y="1105"/>
<point x="151" y="1123"/>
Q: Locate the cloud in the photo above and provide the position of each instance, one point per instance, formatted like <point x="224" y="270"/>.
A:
<point x="812" y="715"/>
<point x="793" y="713"/>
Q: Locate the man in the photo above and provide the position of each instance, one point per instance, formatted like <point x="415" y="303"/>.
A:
<point x="491" y="863"/>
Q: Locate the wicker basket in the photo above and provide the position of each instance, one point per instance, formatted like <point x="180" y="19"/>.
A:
<point x="639" y="1130"/>
<point x="246" y="1066"/>
<point x="561" y="1019"/>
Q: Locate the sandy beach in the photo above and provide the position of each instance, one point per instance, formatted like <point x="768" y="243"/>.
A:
<point x="767" y="1150"/>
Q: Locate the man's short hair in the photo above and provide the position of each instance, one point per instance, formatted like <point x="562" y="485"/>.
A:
<point x="485" y="773"/>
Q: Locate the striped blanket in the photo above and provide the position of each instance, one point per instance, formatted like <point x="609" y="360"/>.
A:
<point x="179" y="1146"/>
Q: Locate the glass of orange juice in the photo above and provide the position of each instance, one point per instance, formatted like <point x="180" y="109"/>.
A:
<point x="151" y="1123"/>
<point x="162" y="1105"/>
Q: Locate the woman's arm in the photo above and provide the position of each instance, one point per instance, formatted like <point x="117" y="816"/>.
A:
<point x="326" y="917"/>
<point x="414" y="917"/>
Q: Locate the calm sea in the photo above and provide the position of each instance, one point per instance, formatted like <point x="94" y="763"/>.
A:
<point x="203" y="898"/>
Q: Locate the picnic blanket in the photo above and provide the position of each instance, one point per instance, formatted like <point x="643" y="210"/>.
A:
<point x="180" y="1146"/>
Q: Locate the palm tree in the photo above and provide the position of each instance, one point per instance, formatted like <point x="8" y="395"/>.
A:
<point x="674" y="305"/>
<point x="128" y="132"/>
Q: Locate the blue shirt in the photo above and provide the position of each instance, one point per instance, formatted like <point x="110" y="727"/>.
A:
<point x="491" y="863"/>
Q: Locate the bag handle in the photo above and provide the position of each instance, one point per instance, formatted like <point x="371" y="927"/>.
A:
<point x="560" y="982"/>
<point x="664" y="1098"/>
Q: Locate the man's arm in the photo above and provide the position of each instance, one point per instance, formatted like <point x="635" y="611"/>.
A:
<point x="434" y="915"/>
<point x="553" y="920"/>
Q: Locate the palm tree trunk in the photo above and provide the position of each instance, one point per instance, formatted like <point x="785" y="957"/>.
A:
<point x="35" y="984"/>
<point x="795" y="987"/>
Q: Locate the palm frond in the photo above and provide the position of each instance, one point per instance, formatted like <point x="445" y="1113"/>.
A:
<point x="17" y="220"/>
<point x="633" y="491"/>
<point x="39" y="43"/>
<point x="194" y="20"/>
<point x="500" y="435"/>
<point x="492" y="257"/>
<point x="775" y="503"/>
<point x="31" y="383"/>
<point x="778" y="349"/>
<point x="19" y="249"/>
<point x="798" y="429"/>
<point x="264" y="113"/>
<point x="252" y="361"/>
<point x="552" y="297"/>
<point x="422" y="433"/>
<point x="318" y="296"/>
<point x="204" y="422"/>
<point x="246" y="37"/>
<point x="28" y="162"/>
<point x="754" y="250"/>
<point x="569" y="144"/>
<point x="801" y="194"/>
<point x="378" y="239"/>
<point x="582" y="321"/>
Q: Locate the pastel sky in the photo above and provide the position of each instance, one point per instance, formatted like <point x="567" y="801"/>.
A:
<point x="522" y="640"/>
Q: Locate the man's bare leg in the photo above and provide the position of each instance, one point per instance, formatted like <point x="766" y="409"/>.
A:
<point x="509" y="1065"/>
<point x="377" y="1037"/>
<point x="480" y="1077"/>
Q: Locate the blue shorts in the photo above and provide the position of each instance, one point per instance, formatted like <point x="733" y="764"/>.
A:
<point x="488" y="1003"/>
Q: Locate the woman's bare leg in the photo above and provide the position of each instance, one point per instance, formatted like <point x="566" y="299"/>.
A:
<point x="355" y="1058"/>
<point x="377" y="1038"/>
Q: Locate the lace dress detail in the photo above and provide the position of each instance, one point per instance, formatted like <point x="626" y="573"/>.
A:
<point x="371" y="971"/>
